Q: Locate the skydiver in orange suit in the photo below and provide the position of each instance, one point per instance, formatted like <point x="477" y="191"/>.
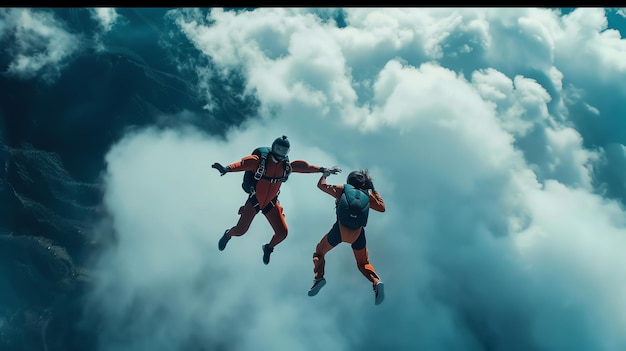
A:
<point x="264" y="197"/>
<point x="360" y="180"/>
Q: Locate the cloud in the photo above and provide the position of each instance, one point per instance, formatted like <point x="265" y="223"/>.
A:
<point x="495" y="234"/>
<point x="42" y="45"/>
<point x="173" y="257"/>
<point x="106" y="16"/>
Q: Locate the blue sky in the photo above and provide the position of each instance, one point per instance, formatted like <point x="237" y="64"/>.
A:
<point x="495" y="135"/>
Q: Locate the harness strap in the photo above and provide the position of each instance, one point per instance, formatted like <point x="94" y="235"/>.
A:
<point x="254" y="202"/>
<point x="275" y="180"/>
<point x="286" y="172"/>
<point x="271" y="205"/>
<point x="260" y="171"/>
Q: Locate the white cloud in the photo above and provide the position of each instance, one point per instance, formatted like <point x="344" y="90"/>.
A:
<point x="106" y="16"/>
<point x="42" y="46"/>
<point x="587" y="40"/>
<point x="493" y="229"/>
<point x="572" y="253"/>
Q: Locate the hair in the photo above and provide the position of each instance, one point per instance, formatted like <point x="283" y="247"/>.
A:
<point x="360" y="179"/>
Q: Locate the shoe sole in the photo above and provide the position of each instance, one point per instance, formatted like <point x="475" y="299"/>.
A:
<point x="381" y="293"/>
<point x="314" y="290"/>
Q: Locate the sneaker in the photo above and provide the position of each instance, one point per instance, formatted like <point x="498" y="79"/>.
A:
<point x="317" y="285"/>
<point x="379" y="293"/>
<point x="221" y="245"/>
<point x="267" y="250"/>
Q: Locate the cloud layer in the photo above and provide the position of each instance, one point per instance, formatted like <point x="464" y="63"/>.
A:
<point x="494" y="135"/>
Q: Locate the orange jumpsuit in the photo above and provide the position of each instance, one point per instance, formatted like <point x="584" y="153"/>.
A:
<point x="265" y="198"/>
<point x="338" y="233"/>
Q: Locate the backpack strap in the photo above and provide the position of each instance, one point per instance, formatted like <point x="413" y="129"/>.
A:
<point x="287" y="167"/>
<point x="286" y="173"/>
<point x="260" y="171"/>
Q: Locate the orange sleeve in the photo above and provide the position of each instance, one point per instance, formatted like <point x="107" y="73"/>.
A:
<point x="247" y="163"/>
<point x="301" y="166"/>
<point x="376" y="202"/>
<point x="333" y="190"/>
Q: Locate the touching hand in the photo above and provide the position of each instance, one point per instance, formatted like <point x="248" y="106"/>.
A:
<point x="329" y="171"/>
<point x="334" y="170"/>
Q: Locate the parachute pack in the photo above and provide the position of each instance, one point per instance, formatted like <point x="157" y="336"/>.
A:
<point x="353" y="207"/>
<point x="250" y="178"/>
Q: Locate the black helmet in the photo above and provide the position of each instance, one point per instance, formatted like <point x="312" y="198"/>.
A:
<point x="360" y="179"/>
<point x="357" y="179"/>
<point x="280" y="148"/>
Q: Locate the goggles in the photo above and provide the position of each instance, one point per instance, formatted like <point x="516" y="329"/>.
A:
<point x="280" y="151"/>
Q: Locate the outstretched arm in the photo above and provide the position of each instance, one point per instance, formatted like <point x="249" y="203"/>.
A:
<point x="301" y="166"/>
<point x="247" y="163"/>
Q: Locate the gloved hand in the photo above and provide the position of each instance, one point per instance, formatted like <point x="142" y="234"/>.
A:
<point x="223" y="170"/>
<point x="329" y="171"/>
<point x="334" y="170"/>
